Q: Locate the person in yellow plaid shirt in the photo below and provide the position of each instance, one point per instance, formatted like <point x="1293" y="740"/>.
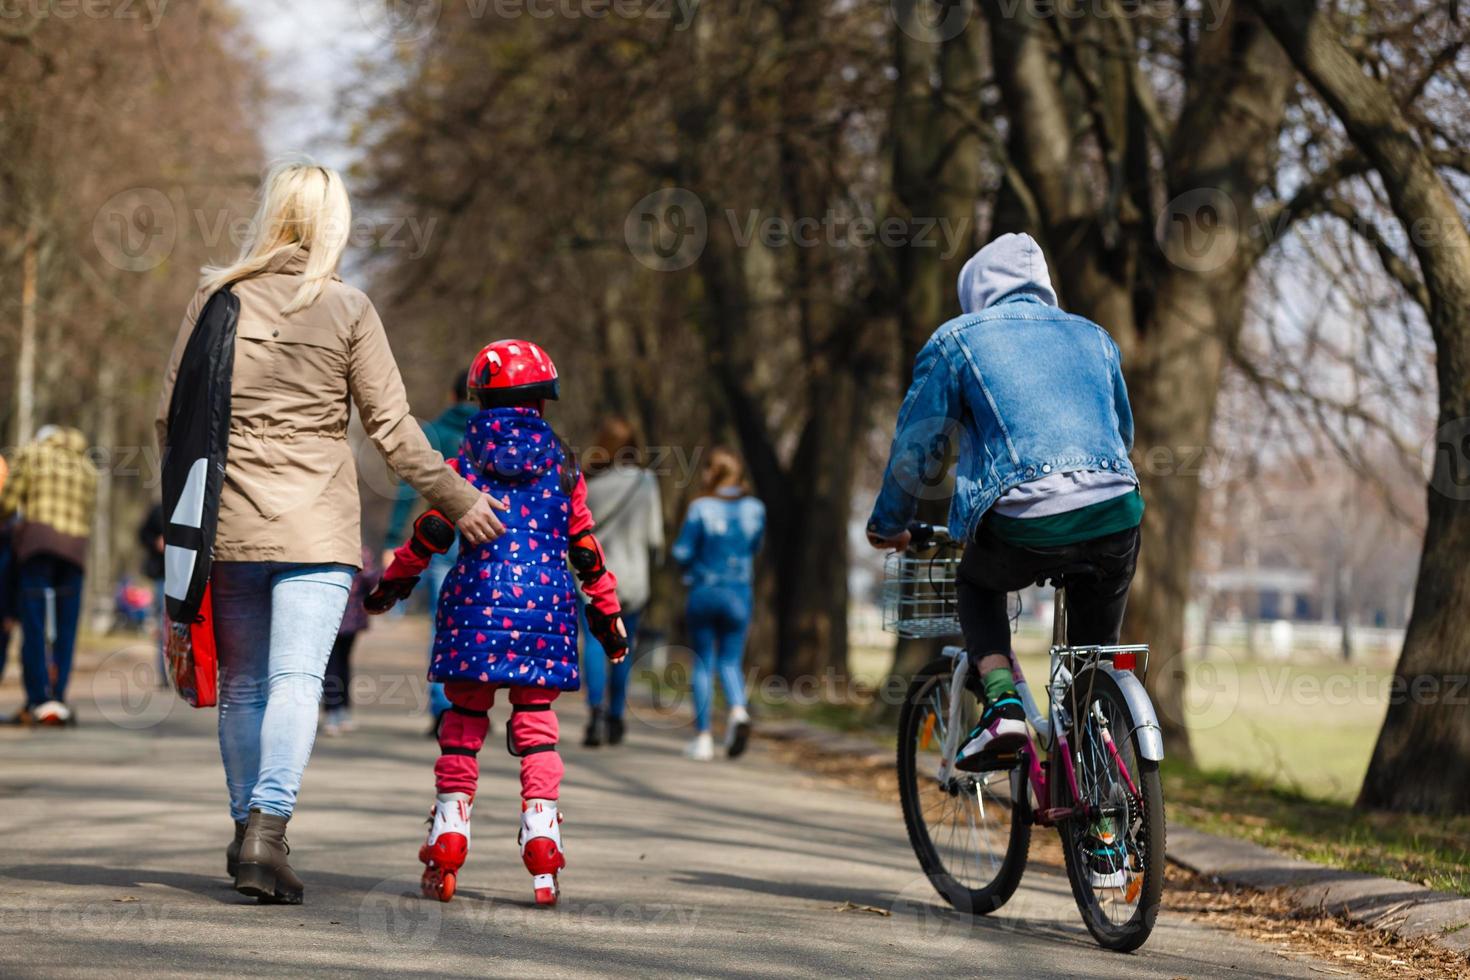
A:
<point x="53" y="490"/>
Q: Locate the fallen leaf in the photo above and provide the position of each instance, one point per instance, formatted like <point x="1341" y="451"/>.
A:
<point x="854" y="907"/>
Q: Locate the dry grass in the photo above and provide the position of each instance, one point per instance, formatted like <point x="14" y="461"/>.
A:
<point x="1297" y="934"/>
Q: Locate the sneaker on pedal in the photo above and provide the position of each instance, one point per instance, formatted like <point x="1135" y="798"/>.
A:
<point x="444" y="853"/>
<point x="541" y="848"/>
<point x="1002" y="730"/>
<point x="1107" y="862"/>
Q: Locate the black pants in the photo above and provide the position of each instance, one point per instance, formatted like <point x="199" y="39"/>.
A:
<point x="339" y="673"/>
<point x="991" y="569"/>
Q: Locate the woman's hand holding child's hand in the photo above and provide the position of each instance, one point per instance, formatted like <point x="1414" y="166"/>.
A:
<point x="387" y="594"/>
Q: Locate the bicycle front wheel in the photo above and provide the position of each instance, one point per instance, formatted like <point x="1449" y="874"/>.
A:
<point x="972" y="831"/>
<point x="1115" y="854"/>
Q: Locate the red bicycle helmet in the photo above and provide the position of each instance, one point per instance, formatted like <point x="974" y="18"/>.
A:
<point x="509" y="372"/>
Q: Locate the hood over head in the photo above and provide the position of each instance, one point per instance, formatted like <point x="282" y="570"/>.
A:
<point x="511" y="444"/>
<point x="1010" y="266"/>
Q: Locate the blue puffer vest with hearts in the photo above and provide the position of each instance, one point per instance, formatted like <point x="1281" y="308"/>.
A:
<point x="508" y="612"/>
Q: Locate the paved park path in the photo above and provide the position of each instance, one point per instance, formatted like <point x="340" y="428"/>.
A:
<point x="112" y="838"/>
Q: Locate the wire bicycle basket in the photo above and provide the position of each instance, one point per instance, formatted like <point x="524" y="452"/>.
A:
<point x="919" y="594"/>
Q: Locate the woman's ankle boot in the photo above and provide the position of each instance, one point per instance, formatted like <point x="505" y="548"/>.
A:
<point x="232" y="853"/>
<point x="264" y="872"/>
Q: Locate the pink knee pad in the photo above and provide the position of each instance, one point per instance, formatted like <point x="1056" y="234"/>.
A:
<point x="461" y="736"/>
<point x="532" y="735"/>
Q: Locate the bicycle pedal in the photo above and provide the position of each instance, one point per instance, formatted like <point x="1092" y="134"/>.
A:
<point x="999" y="762"/>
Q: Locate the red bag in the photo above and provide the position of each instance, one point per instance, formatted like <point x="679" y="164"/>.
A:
<point x="193" y="664"/>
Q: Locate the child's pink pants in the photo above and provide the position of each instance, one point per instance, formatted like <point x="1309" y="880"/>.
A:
<point x="462" y="735"/>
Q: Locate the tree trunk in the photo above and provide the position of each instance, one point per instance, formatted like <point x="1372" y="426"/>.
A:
<point x="938" y="163"/>
<point x="811" y="558"/>
<point x="1173" y="396"/>
<point x="1171" y="307"/>
<point x="1421" y="762"/>
<point x="100" y="582"/>
<point x="25" y="361"/>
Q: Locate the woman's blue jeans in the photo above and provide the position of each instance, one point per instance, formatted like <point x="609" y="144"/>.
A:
<point x="718" y="618"/>
<point x="274" y="625"/>
<point x="606" y="682"/>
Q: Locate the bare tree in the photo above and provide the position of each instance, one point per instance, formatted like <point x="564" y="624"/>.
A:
<point x="1430" y="722"/>
<point x="128" y="149"/>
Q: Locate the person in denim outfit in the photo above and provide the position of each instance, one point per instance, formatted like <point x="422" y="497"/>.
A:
<point x="716" y="549"/>
<point x="1035" y="397"/>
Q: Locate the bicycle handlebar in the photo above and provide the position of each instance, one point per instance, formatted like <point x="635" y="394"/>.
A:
<point x="922" y="535"/>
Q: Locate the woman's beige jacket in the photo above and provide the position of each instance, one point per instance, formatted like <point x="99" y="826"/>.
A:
<point x="290" y="491"/>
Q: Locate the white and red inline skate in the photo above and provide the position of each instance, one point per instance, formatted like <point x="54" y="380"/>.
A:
<point x="540" y="841"/>
<point x="448" y="845"/>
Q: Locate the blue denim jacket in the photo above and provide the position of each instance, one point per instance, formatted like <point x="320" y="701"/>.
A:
<point x="718" y="543"/>
<point x="1028" y="389"/>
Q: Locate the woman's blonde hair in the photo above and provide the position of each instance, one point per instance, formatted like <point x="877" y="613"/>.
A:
<point x="722" y="469"/>
<point x="303" y="207"/>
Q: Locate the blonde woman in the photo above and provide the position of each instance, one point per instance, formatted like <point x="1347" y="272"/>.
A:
<point x="716" y="550"/>
<point x="288" y="539"/>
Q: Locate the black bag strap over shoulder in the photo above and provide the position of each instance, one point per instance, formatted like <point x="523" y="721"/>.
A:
<point x="194" y="460"/>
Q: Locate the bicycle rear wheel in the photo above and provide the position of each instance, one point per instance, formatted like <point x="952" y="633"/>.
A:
<point x="972" y="832"/>
<point x="1115" y="857"/>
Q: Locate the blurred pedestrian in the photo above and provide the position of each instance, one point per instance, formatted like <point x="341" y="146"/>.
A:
<point x="445" y="434"/>
<point x="624" y="500"/>
<point x="288" y="539"/>
<point x="150" y="538"/>
<point x="716" y="549"/>
<point x="131" y="605"/>
<point x="53" y="490"/>
<point x="8" y="610"/>
<point x="336" y="687"/>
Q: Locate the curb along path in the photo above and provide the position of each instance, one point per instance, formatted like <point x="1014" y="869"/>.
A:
<point x="1406" y="909"/>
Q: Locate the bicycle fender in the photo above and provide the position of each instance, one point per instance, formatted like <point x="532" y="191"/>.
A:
<point x="1141" y="707"/>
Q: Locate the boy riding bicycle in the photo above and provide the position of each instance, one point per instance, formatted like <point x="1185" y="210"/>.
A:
<point x="1037" y="398"/>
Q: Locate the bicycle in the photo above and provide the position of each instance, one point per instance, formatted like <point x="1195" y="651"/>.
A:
<point x="1102" y="793"/>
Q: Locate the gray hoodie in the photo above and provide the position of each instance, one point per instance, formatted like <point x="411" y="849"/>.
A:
<point x="1012" y="264"/>
<point x="624" y="501"/>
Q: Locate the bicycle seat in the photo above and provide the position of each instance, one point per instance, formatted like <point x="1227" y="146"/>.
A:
<point x="1059" y="576"/>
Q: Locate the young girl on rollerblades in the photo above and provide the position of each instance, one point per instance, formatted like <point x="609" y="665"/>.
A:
<point x="507" y="615"/>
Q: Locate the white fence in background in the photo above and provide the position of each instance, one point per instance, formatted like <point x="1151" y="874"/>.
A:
<point x="1274" y="639"/>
